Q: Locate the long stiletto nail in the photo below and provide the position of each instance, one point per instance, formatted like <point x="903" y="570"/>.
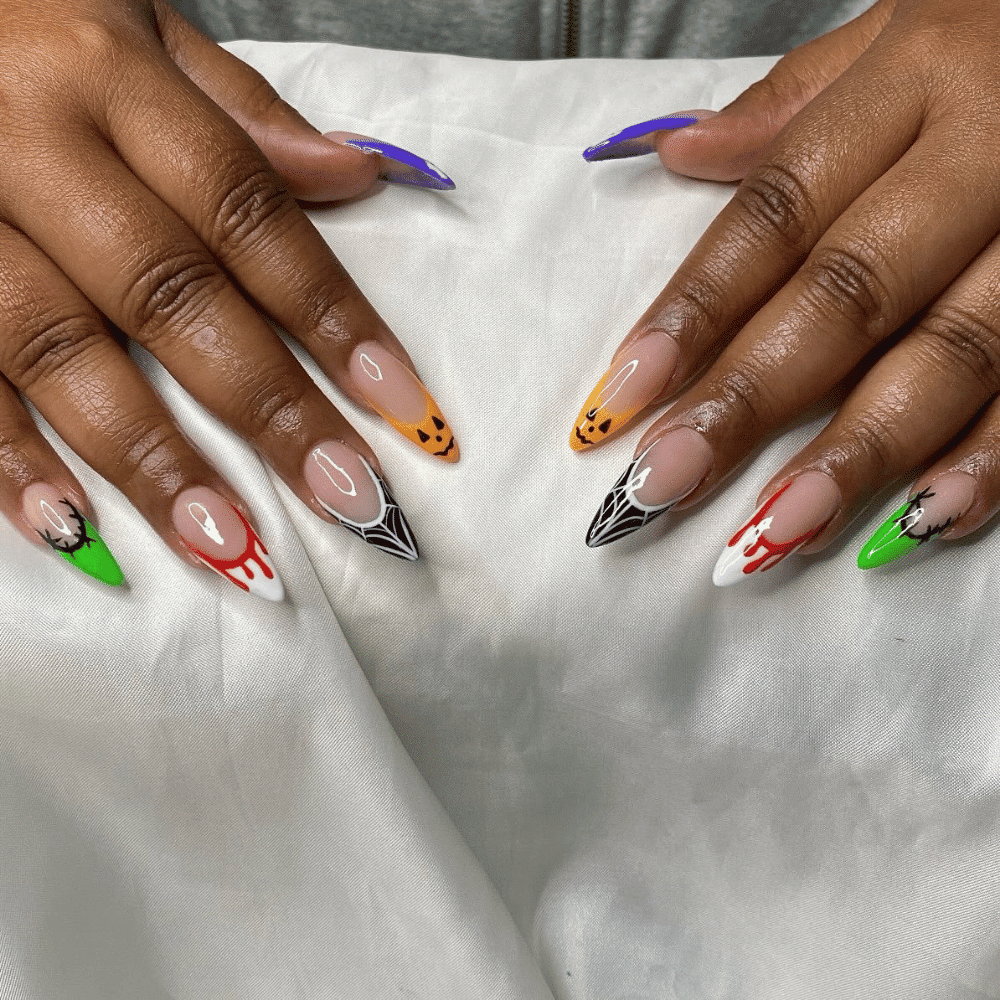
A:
<point x="221" y="537"/>
<point x="924" y="516"/>
<point x="798" y="512"/>
<point x="61" y="525"/>
<point x="399" y="396"/>
<point x="636" y="140"/>
<point x="399" y="165"/>
<point x="636" y="377"/>
<point x="666" y="472"/>
<point x="353" y="492"/>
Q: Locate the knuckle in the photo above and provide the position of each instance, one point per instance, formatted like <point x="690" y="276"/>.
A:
<point x="171" y="289"/>
<point x="270" y="405"/>
<point x="962" y="340"/>
<point x="744" y="401"/>
<point x="253" y="202"/>
<point x="140" y="448"/>
<point x="777" y="203"/>
<point x="845" y="282"/>
<point x="46" y="346"/>
<point x="873" y="444"/>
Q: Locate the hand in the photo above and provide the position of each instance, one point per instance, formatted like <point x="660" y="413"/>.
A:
<point x="148" y="185"/>
<point x="870" y="204"/>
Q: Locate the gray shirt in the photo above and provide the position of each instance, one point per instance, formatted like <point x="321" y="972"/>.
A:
<point x="533" y="29"/>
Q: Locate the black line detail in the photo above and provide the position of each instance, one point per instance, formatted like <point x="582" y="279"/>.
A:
<point x="933" y="530"/>
<point x="80" y="537"/>
<point x="618" y="516"/>
<point x="451" y="444"/>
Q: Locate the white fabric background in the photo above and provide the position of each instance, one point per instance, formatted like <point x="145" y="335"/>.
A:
<point x="651" y="788"/>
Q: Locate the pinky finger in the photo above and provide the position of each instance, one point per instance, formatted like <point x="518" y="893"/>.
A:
<point x="43" y="499"/>
<point x="953" y="498"/>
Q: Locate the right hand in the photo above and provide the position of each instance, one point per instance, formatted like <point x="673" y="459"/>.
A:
<point x="148" y="184"/>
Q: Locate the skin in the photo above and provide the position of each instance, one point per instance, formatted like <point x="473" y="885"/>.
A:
<point x="162" y="220"/>
<point x="864" y="233"/>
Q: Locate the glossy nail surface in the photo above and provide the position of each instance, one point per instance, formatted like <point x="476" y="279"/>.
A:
<point x="61" y="526"/>
<point x="399" y="166"/>
<point x="222" y="538"/>
<point x="666" y="472"/>
<point x="798" y="512"/>
<point x="636" y="140"/>
<point x="349" y="488"/>
<point x="636" y="377"/>
<point x="923" y="517"/>
<point x="399" y="396"/>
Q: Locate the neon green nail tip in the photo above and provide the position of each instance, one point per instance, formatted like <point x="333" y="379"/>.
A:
<point x="87" y="551"/>
<point x="889" y="542"/>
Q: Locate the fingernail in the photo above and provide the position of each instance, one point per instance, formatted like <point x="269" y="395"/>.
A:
<point x="61" y="525"/>
<point x="636" y="377"/>
<point x="798" y="512"/>
<point x="924" y="516"/>
<point x="399" y="396"/>
<point x="666" y="472"/>
<point x="353" y="492"/>
<point x="399" y="165"/>
<point x="221" y="537"/>
<point x="636" y="140"/>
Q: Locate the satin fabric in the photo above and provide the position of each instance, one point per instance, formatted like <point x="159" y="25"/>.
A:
<point x="518" y="768"/>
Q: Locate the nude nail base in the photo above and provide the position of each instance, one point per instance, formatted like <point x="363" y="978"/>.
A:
<point x="387" y="529"/>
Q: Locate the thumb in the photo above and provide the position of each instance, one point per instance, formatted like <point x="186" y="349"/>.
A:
<point x="726" y="145"/>
<point x="314" y="168"/>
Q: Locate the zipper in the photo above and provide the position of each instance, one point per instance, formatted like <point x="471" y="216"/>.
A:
<point x="570" y="29"/>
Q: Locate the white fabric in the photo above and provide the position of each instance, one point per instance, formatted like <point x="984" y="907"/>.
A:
<point x="651" y="788"/>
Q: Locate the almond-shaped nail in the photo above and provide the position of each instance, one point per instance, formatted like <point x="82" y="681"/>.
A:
<point x="399" y="165"/>
<point x="347" y="487"/>
<point x="636" y="140"/>
<point x="61" y="525"/>
<point x="399" y="396"/>
<point x="798" y="512"/>
<point x="925" y="515"/>
<point x="636" y="377"/>
<point x="666" y="472"/>
<point x="222" y="538"/>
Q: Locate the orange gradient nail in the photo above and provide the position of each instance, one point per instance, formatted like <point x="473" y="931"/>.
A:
<point x="399" y="396"/>
<point x="636" y="377"/>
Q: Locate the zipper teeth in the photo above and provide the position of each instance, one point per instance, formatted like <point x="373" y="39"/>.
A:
<point x="571" y="29"/>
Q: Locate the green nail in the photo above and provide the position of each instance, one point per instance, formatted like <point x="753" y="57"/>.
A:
<point x="890" y="541"/>
<point x="85" y="549"/>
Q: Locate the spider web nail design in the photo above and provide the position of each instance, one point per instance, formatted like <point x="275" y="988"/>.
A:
<point x="388" y="530"/>
<point x="620" y="513"/>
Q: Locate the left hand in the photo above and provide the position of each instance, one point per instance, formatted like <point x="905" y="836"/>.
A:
<point x="870" y="204"/>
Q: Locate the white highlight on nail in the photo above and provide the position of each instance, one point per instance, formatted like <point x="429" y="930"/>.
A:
<point x="636" y="483"/>
<point x="207" y="523"/>
<point x="52" y="516"/>
<point x="622" y="376"/>
<point x="318" y="453"/>
<point x="369" y="367"/>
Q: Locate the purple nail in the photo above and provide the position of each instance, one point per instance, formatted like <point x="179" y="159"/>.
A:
<point x="634" y="140"/>
<point x="404" y="167"/>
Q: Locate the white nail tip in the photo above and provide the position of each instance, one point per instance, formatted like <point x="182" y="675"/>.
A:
<point x="729" y="568"/>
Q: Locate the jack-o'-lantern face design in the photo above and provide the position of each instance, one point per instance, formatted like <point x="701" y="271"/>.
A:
<point x="436" y="434"/>
<point x="588" y="427"/>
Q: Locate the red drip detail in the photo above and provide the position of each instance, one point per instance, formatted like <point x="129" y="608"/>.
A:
<point x="775" y="551"/>
<point x="242" y="561"/>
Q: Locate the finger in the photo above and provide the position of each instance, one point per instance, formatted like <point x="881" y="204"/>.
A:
<point x="779" y="364"/>
<point x="43" y="499"/>
<point x="313" y="167"/>
<point x="56" y="352"/>
<point x="160" y="285"/>
<point x="728" y="145"/>
<point x="915" y="400"/>
<point x="197" y="162"/>
<point x="777" y="216"/>
<point x="313" y="170"/>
